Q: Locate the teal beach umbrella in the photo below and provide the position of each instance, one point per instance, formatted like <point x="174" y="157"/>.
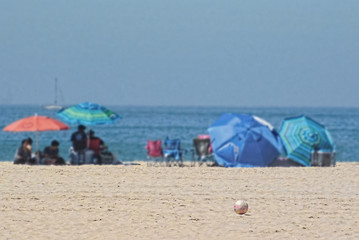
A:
<point x="88" y="114"/>
<point x="302" y="135"/>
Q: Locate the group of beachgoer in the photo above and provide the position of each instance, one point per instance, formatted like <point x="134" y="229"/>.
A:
<point x="50" y="156"/>
<point x="81" y="142"/>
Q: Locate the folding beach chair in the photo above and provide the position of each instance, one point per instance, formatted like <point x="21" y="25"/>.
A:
<point x="154" y="152"/>
<point x="323" y="158"/>
<point x="201" y="152"/>
<point x="172" y="152"/>
<point x="206" y="136"/>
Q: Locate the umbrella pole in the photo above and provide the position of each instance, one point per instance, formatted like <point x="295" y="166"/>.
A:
<point x="37" y="141"/>
<point x="88" y="144"/>
<point x="88" y="138"/>
<point x="37" y="154"/>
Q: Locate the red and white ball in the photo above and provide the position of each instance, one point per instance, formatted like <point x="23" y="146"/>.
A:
<point x="241" y="207"/>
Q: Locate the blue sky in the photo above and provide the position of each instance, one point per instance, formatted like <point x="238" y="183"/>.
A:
<point x="185" y="52"/>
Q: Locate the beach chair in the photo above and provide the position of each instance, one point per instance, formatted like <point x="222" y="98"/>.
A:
<point x="172" y="152"/>
<point x="323" y="159"/>
<point x="154" y="152"/>
<point x="201" y="152"/>
<point x="206" y="136"/>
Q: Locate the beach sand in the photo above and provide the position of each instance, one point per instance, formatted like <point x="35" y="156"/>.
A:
<point x="141" y="202"/>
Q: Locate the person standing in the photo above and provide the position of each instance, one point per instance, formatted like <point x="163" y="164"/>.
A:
<point x="79" y="144"/>
<point x="79" y="139"/>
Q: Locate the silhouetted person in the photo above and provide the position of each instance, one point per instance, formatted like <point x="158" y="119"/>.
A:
<point x="79" y="139"/>
<point x="96" y="145"/>
<point x="23" y="154"/>
<point x="51" y="154"/>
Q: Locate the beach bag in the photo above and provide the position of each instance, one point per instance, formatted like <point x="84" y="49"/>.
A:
<point x="106" y="157"/>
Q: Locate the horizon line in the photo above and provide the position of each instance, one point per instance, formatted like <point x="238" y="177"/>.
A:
<point x="188" y="106"/>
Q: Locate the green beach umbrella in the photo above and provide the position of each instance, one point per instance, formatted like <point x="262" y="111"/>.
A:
<point x="302" y="135"/>
<point x="88" y="114"/>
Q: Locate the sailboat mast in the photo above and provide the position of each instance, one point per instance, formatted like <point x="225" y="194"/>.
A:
<point x="54" y="106"/>
<point x="55" y="91"/>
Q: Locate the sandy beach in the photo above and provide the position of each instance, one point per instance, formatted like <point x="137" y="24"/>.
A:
<point x="141" y="202"/>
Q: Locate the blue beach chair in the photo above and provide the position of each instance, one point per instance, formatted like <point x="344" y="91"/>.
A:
<point x="172" y="152"/>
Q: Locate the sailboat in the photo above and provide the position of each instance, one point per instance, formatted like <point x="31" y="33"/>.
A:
<point x="54" y="106"/>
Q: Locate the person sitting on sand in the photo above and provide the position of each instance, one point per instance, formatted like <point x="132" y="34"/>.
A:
<point x="79" y="139"/>
<point x="96" y="145"/>
<point x="51" y="154"/>
<point x="24" y="153"/>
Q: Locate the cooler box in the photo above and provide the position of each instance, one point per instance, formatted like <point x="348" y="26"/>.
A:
<point x="89" y="157"/>
<point x="81" y="158"/>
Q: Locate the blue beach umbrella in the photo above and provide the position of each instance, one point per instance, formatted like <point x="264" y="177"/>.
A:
<point x="88" y="114"/>
<point x="241" y="140"/>
<point x="301" y="135"/>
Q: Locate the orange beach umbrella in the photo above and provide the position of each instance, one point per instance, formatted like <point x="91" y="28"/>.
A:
<point x="36" y="124"/>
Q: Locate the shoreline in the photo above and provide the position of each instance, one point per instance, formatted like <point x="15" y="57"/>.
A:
<point x="185" y="161"/>
<point x="140" y="202"/>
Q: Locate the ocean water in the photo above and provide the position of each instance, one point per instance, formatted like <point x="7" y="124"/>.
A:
<point x="127" y="138"/>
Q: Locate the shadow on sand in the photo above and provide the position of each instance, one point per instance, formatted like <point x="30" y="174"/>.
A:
<point x="281" y="162"/>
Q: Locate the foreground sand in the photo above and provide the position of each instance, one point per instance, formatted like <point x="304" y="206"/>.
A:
<point x="140" y="202"/>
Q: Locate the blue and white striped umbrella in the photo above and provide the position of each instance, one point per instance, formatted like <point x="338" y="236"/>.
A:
<point x="302" y="135"/>
<point x="88" y="114"/>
